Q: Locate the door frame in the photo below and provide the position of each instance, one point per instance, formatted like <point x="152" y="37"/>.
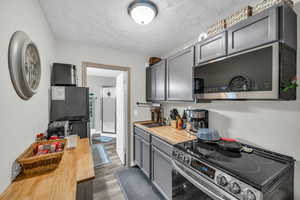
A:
<point x="128" y="134"/>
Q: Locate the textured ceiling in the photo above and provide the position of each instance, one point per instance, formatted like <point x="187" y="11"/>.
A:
<point x="106" y="22"/>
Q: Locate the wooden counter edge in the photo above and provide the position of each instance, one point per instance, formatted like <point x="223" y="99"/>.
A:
<point x="140" y="124"/>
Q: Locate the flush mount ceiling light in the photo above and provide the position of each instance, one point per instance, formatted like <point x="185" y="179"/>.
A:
<point x="142" y="12"/>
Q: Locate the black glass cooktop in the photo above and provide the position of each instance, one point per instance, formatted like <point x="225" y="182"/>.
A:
<point x="257" y="167"/>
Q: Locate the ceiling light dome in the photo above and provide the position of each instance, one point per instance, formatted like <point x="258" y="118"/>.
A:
<point x="142" y="12"/>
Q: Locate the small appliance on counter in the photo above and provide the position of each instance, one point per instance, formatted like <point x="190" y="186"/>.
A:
<point x="197" y="118"/>
<point x="59" y="129"/>
<point x="63" y="75"/>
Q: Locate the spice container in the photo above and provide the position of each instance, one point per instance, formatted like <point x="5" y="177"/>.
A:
<point x="179" y="124"/>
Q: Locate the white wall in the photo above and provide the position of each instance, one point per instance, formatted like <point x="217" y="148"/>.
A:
<point x="95" y="83"/>
<point x="20" y="120"/>
<point x="269" y="124"/>
<point x="75" y="53"/>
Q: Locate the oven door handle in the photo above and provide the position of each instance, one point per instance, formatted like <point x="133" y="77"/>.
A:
<point x="202" y="183"/>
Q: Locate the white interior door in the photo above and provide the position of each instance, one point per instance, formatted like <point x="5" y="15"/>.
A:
<point x="108" y="110"/>
<point x="121" y="97"/>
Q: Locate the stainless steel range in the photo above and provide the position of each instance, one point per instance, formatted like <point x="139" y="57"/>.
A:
<point x="204" y="171"/>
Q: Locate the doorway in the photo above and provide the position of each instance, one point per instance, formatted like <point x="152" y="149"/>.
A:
<point x="109" y="104"/>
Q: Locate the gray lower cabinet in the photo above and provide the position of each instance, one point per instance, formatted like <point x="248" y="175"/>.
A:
<point x="138" y="150"/>
<point x="211" y="48"/>
<point x="84" y="190"/>
<point x="154" y="157"/>
<point x="142" y="150"/>
<point x="145" y="158"/>
<point x="180" y="75"/>
<point x="162" y="172"/>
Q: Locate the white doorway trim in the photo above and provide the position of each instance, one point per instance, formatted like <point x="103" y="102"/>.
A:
<point x="128" y="135"/>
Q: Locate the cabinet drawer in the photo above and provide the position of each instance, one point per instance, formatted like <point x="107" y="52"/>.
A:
<point x="142" y="133"/>
<point x="162" y="145"/>
<point x="258" y="30"/>
<point x="211" y="48"/>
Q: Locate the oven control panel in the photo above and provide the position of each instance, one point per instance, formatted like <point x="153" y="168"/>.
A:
<point x="203" y="168"/>
<point x="237" y="188"/>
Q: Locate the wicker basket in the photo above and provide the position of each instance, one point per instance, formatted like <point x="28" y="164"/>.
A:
<point x="239" y="16"/>
<point x="269" y="3"/>
<point x="33" y="165"/>
<point x="217" y="28"/>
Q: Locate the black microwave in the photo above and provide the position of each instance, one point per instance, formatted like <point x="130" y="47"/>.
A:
<point x="63" y="75"/>
<point x="257" y="74"/>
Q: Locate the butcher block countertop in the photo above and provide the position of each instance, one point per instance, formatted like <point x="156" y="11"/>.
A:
<point x="167" y="133"/>
<point x="76" y="166"/>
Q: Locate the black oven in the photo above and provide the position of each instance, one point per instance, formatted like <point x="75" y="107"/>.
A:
<point x="189" y="185"/>
<point x="183" y="189"/>
<point x="255" y="74"/>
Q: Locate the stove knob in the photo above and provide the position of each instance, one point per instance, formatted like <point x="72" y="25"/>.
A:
<point x="187" y="160"/>
<point x="175" y="154"/>
<point x="221" y="180"/>
<point x="180" y="156"/>
<point x="234" y="188"/>
<point x="249" y="195"/>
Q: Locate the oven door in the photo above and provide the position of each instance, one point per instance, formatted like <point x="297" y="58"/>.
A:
<point x="252" y="74"/>
<point x="188" y="185"/>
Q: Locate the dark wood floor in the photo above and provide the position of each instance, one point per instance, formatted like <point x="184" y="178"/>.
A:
<point x="106" y="186"/>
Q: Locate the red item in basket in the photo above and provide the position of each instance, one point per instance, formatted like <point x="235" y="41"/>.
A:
<point x="228" y="139"/>
<point x="54" y="138"/>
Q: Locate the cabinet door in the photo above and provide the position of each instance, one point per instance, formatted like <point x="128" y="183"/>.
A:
<point x="257" y="30"/>
<point x="160" y="80"/>
<point x="180" y="76"/>
<point x="137" y="151"/>
<point x="146" y="158"/>
<point x="162" y="172"/>
<point x="149" y="86"/>
<point x="211" y="48"/>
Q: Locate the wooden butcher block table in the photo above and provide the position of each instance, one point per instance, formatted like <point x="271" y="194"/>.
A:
<point x="74" y="174"/>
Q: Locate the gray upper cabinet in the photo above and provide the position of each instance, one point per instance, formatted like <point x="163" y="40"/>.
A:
<point x="258" y="30"/>
<point x="211" y="48"/>
<point x="274" y="24"/>
<point x="155" y="82"/>
<point x="180" y="75"/>
<point x="149" y="84"/>
<point x="160" y="81"/>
